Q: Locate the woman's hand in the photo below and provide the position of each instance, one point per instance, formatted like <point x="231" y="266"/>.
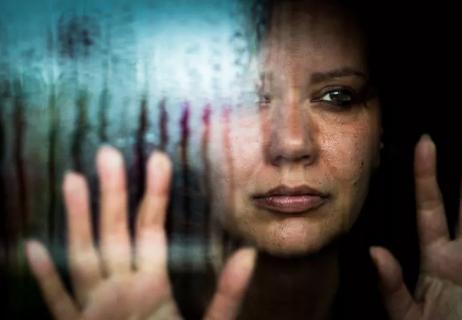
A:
<point x="439" y="288"/>
<point x="118" y="280"/>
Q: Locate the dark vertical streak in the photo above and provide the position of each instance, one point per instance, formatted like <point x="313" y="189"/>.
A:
<point x="102" y="114"/>
<point x="182" y="224"/>
<point x="184" y="144"/>
<point x="105" y="98"/>
<point x="52" y="174"/>
<point x="80" y="132"/>
<point x="140" y="156"/>
<point x="53" y="120"/>
<point x="190" y="280"/>
<point x="6" y="93"/>
<point x="184" y="123"/>
<point x="163" y="123"/>
<point x="19" y="126"/>
<point x="163" y="144"/>
<point x="4" y="240"/>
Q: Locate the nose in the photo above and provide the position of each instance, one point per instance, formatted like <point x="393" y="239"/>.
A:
<point x="292" y="138"/>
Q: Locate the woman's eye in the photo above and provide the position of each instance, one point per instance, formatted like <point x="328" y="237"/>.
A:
<point x="339" y="97"/>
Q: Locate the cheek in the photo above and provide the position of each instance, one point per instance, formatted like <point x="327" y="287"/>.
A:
<point x="349" y="148"/>
<point x="346" y="155"/>
<point x="349" y="153"/>
<point x="236" y="147"/>
<point x="235" y="154"/>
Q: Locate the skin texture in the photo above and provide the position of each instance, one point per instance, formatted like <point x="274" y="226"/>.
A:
<point x="297" y="135"/>
<point x="294" y="139"/>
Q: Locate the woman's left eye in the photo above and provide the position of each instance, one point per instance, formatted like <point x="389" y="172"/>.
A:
<point x="340" y="97"/>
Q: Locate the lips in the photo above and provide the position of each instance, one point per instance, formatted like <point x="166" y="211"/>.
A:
<point x="283" y="199"/>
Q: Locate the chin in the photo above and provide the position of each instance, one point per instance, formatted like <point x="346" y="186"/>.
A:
<point x="291" y="238"/>
<point x="289" y="250"/>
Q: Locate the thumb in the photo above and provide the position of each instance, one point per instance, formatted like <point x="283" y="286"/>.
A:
<point x="232" y="285"/>
<point x="398" y="301"/>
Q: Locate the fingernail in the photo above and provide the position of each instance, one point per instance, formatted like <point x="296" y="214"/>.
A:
<point x="110" y="156"/>
<point x="426" y="148"/>
<point x="428" y="143"/>
<point x="110" y="165"/>
<point x="247" y="257"/>
<point x="373" y="254"/>
<point x="158" y="165"/>
<point x="70" y="179"/>
<point x="36" y="256"/>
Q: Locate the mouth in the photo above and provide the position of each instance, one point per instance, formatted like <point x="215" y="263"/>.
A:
<point x="283" y="199"/>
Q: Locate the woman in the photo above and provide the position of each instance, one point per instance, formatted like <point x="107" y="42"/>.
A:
<point x="289" y="179"/>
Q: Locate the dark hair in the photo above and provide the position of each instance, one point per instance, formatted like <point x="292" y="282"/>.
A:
<point x="358" y="296"/>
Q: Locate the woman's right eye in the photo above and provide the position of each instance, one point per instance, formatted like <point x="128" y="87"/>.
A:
<point x="340" y="97"/>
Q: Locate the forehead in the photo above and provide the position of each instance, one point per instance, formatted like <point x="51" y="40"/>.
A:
<point x="312" y="37"/>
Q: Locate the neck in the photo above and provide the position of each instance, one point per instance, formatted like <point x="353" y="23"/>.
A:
<point x="293" y="288"/>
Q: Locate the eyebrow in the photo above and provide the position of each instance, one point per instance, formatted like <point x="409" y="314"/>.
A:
<point x="318" y="77"/>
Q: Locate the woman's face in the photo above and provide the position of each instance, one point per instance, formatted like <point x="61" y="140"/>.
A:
<point x="292" y="174"/>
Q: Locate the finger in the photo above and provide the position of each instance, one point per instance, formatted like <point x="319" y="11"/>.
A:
<point x="83" y="259"/>
<point x="58" y="300"/>
<point x="232" y="285"/>
<point x="115" y="242"/>
<point x="398" y="301"/>
<point x="432" y="225"/>
<point x="151" y="244"/>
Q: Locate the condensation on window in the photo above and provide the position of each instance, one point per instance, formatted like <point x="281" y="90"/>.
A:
<point x="137" y="75"/>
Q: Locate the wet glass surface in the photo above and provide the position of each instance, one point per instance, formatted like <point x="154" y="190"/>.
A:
<point x="173" y="76"/>
<point x="139" y="76"/>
